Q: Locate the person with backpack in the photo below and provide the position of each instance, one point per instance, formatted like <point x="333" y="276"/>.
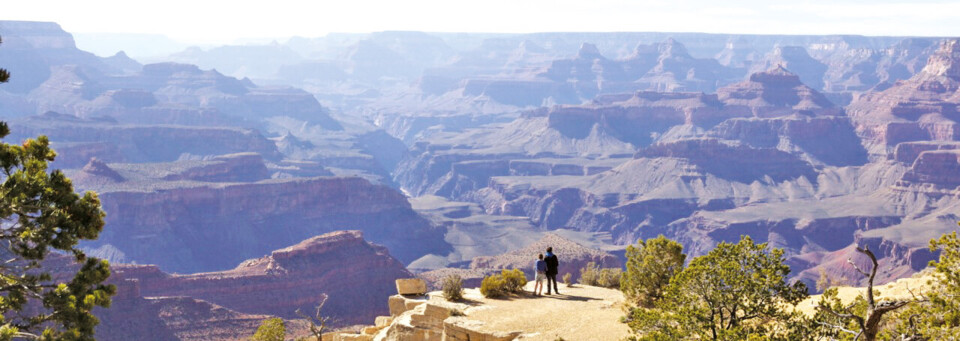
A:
<point x="552" y="264"/>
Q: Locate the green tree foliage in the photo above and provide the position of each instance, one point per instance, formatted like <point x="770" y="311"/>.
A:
<point x="735" y="292"/>
<point x="40" y="212"/>
<point x="4" y="75"/>
<point x="650" y="266"/>
<point x="943" y="318"/>
<point x="937" y="315"/>
<point x="272" y="329"/>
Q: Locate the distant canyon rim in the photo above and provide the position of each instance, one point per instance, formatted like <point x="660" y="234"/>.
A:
<point x="426" y="154"/>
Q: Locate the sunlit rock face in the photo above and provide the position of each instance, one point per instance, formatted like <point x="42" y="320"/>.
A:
<point x="922" y="108"/>
<point x="229" y="305"/>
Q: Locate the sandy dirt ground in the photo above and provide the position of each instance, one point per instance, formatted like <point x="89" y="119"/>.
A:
<point x="578" y="313"/>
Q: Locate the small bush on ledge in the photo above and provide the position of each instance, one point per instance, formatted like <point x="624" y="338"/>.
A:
<point x="504" y="283"/>
<point x="453" y="288"/>
<point x="593" y="275"/>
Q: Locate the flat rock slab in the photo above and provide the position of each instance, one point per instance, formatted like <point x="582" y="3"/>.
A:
<point x="411" y="286"/>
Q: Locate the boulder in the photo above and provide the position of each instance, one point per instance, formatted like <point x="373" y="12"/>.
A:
<point x="411" y="286"/>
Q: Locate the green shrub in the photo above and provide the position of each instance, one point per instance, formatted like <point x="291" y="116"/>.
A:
<point x="593" y="275"/>
<point x="609" y="278"/>
<point x="492" y="286"/>
<point x="514" y="280"/>
<point x="567" y="278"/>
<point x="650" y="266"/>
<point x="272" y="329"/>
<point x="589" y="274"/>
<point x="453" y="288"/>
<point x="504" y="283"/>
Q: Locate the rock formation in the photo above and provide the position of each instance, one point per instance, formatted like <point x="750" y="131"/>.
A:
<point x="186" y="225"/>
<point x="113" y="142"/>
<point x="356" y="275"/>
<point x="923" y="107"/>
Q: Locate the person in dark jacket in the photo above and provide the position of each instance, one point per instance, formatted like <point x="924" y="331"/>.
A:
<point x="552" y="264"/>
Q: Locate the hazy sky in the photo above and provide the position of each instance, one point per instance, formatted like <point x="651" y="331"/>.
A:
<point x="201" y="21"/>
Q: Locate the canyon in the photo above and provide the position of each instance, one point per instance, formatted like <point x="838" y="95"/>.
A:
<point x="396" y="154"/>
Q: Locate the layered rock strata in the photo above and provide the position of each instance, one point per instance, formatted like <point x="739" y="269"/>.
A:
<point x="355" y="275"/>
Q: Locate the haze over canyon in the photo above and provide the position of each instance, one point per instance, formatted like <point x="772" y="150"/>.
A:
<point x="247" y="181"/>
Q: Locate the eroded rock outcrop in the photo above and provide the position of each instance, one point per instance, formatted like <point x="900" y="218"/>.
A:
<point x="923" y="107"/>
<point x="175" y="220"/>
<point x="172" y="318"/>
<point x="908" y="152"/>
<point x="357" y="276"/>
<point x="937" y="168"/>
<point x="777" y="92"/>
<point x="734" y="162"/>
<point x="140" y="143"/>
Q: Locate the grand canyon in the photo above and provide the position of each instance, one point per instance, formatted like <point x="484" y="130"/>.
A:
<point x="242" y="182"/>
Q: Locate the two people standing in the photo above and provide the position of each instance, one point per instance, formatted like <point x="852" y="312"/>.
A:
<point x="546" y="267"/>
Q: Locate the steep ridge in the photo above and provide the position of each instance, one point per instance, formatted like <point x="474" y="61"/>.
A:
<point x="797" y="59"/>
<point x="134" y="317"/>
<point x="111" y="141"/>
<point x="921" y="108"/>
<point x="191" y="216"/>
<point x="773" y="110"/>
<point x="30" y="49"/>
<point x="863" y="69"/>
<point x="356" y="275"/>
<point x="115" y="114"/>
<point x="665" y="66"/>
<point x="169" y="93"/>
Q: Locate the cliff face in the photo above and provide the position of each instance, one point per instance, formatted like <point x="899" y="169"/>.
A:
<point x="30" y="49"/>
<point x="110" y="141"/>
<point x="229" y="305"/>
<point x="664" y="66"/>
<point x="355" y="274"/>
<point x="908" y="152"/>
<point x="863" y="69"/>
<point x="170" y="93"/>
<point x="173" y="318"/>
<point x="738" y="163"/>
<point x="828" y="140"/>
<point x="797" y="59"/>
<point x="773" y="113"/>
<point x="777" y="92"/>
<point x="190" y="226"/>
<point x="923" y="107"/>
<point x="937" y="168"/>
